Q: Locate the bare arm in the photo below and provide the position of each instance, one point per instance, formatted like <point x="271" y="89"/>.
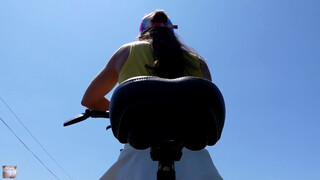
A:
<point x="102" y="84"/>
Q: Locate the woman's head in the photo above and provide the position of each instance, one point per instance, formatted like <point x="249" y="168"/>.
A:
<point x="168" y="52"/>
<point x="156" y="19"/>
<point x="157" y="29"/>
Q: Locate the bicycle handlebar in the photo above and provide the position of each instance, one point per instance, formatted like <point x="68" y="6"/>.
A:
<point x="88" y="113"/>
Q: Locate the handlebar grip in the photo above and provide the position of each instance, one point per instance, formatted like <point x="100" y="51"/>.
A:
<point x="97" y="114"/>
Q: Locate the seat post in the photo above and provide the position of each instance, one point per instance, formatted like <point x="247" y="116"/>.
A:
<point x="166" y="171"/>
<point x="166" y="153"/>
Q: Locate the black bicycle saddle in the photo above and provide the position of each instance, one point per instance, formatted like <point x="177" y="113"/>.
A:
<point x="147" y="110"/>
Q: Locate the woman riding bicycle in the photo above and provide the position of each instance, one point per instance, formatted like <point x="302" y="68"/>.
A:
<point x="157" y="53"/>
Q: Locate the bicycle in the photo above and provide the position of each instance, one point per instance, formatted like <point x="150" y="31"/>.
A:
<point x="160" y="114"/>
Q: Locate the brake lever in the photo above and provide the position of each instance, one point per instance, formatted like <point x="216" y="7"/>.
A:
<point x="76" y="119"/>
<point x="88" y="113"/>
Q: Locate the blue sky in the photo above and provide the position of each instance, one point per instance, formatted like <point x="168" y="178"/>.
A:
<point x="263" y="55"/>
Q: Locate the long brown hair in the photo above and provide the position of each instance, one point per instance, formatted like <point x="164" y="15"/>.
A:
<point x="166" y="48"/>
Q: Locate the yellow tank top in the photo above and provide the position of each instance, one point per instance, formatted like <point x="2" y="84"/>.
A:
<point x="141" y="55"/>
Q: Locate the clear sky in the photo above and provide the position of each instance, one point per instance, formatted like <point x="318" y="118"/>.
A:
<point x="263" y="54"/>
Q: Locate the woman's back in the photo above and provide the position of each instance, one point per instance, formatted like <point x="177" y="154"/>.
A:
<point x="141" y="55"/>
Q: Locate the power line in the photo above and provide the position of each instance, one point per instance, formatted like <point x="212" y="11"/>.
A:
<point x="51" y="157"/>
<point x="28" y="148"/>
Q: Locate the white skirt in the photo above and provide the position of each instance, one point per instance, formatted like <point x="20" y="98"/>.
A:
<point x="135" y="164"/>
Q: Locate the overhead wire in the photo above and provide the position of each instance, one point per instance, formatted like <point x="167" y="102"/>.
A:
<point x="28" y="148"/>
<point x="34" y="138"/>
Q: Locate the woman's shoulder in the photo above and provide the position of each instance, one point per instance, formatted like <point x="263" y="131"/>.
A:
<point x="136" y="43"/>
<point x="192" y="56"/>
